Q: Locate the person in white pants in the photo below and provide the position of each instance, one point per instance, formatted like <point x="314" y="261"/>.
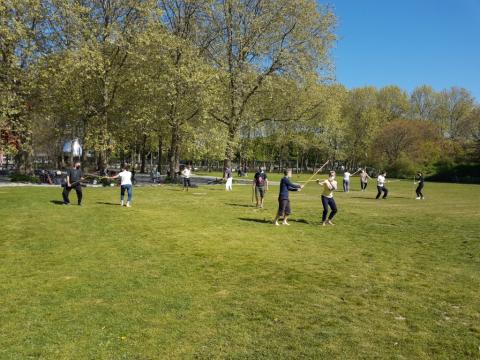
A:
<point x="229" y="179"/>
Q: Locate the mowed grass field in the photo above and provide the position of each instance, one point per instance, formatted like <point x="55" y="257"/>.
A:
<point x="205" y="275"/>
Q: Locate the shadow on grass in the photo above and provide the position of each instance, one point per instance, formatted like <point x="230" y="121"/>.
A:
<point x="240" y="205"/>
<point x="107" y="203"/>
<point x="373" y="198"/>
<point x="56" y="202"/>
<point x="265" y="221"/>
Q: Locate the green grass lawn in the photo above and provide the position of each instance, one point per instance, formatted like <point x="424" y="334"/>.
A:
<point x="206" y="275"/>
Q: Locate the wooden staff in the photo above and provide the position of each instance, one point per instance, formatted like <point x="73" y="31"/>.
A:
<point x="311" y="177"/>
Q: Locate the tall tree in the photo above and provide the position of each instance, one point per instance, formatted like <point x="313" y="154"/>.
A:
<point x="250" y="41"/>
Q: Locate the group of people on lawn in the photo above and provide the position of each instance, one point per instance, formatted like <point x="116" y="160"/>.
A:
<point x="260" y="186"/>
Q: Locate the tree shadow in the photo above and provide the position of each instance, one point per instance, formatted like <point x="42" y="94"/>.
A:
<point x="56" y="202"/>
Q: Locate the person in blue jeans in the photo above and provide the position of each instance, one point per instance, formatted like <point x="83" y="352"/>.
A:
<point x="329" y="186"/>
<point x="125" y="185"/>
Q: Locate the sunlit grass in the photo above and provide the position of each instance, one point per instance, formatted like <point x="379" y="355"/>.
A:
<point x="206" y="275"/>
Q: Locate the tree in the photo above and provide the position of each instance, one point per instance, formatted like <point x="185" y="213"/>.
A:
<point x="423" y="103"/>
<point x="393" y="103"/>
<point x="22" y="40"/>
<point x="251" y="41"/>
<point x="454" y="107"/>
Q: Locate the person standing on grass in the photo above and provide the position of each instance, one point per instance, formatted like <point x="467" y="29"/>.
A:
<point x="229" y="179"/>
<point x="381" y="180"/>
<point x="125" y="184"/>
<point x="260" y="185"/>
<point x="186" y="173"/>
<point x="74" y="177"/>
<point x="329" y="186"/>
<point x="346" y="181"/>
<point x="286" y="185"/>
<point x="420" y="186"/>
<point x="364" y="179"/>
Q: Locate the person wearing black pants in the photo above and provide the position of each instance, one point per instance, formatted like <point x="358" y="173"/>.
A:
<point x="420" y="186"/>
<point x="329" y="186"/>
<point x="74" y="176"/>
<point x="381" y="180"/>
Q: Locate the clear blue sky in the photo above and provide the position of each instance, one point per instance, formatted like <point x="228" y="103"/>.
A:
<point x="408" y="43"/>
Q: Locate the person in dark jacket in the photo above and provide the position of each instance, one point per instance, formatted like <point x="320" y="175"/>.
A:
<point x="419" y="189"/>
<point x="284" y="209"/>
<point x="74" y="178"/>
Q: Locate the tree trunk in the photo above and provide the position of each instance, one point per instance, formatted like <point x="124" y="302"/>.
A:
<point x="143" y="153"/>
<point x="160" y="154"/>
<point x="230" y="148"/>
<point x="173" y="156"/>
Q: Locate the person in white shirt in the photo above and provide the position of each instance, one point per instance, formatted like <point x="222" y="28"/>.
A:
<point x="381" y="180"/>
<point x="186" y="173"/>
<point x="346" y="181"/>
<point x="329" y="186"/>
<point x="228" y="179"/>
<point x="125" y="184"/>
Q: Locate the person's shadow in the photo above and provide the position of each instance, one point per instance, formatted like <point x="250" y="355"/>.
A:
<point x="107" y="203"/>
<point x="240" y="205"/>
<point x="265" y="221"/>
<point x="56" y="202"/>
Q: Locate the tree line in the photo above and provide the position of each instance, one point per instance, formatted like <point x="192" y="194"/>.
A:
<point x="241" y="81"/>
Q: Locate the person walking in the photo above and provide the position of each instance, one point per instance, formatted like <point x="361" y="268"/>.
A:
<point x="284" y="209"/>
<point x="126" y="184"/>
<point x="381" y="180"/>
<point x="74" y="178"/>
<point x="260" y="185"/>
<point x="329" y="186"/>
<point x="421" y="184"/>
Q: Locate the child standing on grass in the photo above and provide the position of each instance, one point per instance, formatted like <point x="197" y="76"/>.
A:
<point x="125" y="184"/>
<point x="329" y="186"/>
<point x="286" y="185"/>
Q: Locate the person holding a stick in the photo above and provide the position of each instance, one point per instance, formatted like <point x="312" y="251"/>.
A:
<point x="329" y="186"/>
<point x="381" y="180"/>
<point x="260" y="186"/>
<point x="421" y="183"/>
<point x="74" y="179"/>
<point x="125" y="184"/>
<point x="364" y="179"/>
<point x="284" y="209"/>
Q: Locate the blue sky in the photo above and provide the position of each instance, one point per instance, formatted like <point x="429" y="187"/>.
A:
<point x="408" y="43"/>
